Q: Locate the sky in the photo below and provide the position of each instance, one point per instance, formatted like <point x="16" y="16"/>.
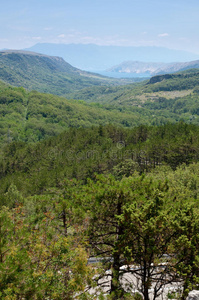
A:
<point x="167" y="23"/>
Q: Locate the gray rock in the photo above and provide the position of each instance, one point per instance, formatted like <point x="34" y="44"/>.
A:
<point x="193" y="295"/>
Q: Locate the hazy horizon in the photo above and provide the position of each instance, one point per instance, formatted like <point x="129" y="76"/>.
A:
<point x="170" y="24"/>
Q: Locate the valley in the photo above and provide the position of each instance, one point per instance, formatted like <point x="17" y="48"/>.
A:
<point x="47" y="74"/>
<point x="92" y="166"/>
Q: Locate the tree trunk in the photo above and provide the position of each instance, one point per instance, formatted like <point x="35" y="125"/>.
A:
<point x="115" y="283"/>
<point x="64" y="222"/>
<point x="145" y="283"/>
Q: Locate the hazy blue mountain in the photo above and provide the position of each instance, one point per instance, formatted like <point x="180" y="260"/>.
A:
<point x="151" y="69"/>
<point x="93" y="57"/>
<point x="138" y="67"/>
<point x="177" y="67"/>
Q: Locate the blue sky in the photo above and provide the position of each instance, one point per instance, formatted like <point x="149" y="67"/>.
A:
<point x="172" y="23"/>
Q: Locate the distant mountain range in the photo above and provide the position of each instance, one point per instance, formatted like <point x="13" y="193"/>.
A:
<point x="153" y="68"/>
<point x="95" y="58"/>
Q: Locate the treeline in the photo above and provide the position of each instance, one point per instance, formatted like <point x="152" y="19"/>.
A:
<point x="79" y="153"/>
<point x="128" y="197"/>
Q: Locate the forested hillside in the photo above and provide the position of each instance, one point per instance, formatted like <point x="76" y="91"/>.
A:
<point x="32" y="116"/>
<point x="111" y="180"/>
<point x="79" y="153"/>
<point x="128" y="197"/>
<point x="48" y="74"/>
<point x="99" y="171"/>
<point x="181" y="82"/>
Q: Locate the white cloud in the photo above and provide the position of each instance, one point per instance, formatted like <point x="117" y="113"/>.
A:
<point x="73" y="36"/>
<point x="62" y="36"/>
<point x="163" y="34"/>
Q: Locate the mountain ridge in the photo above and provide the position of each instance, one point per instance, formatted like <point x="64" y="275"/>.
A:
<point x="92" y="57"/>
<point x="154" y="68"/>
<point x="45" y="73"/>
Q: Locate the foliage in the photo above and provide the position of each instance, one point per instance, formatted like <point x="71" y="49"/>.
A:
<point x="146" y="225"/>
<point x="47" y="74"/>
<point x="178" y="81"/>
<point x="137" y="225"/>
<point x="79" y="153"/>
<point x="37" y="261"/>
<point x="32" y="116"/>
<point x="186" y="245"/>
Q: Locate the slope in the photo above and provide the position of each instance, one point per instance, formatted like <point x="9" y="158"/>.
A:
<point x="168" y="97"/>
<point x="33" y="116"/>
<point x="46" y="73"/>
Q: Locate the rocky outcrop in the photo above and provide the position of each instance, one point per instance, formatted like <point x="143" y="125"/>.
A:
<point x="193" y="295"/>
<point x="159" y="78"/>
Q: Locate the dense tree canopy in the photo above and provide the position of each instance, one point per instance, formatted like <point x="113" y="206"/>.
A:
<point x="75" y="188"/>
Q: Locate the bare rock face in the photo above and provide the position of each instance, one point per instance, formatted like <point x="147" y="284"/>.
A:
<point x="193" y="295"/>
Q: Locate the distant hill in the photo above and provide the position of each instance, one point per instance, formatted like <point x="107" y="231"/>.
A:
<point x="177" y="67"/>
<point x="165" y="97"/>
<point x="137" y="67"/>
<point x="33" y="116"/>
<point x="49" y="74"/>
<point x="152" y="69"/>
<point x="95" y="58"/>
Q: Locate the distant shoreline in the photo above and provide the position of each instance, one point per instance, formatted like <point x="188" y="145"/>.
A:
<point x="121" y="75"/>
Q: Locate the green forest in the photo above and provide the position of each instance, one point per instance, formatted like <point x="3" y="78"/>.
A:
<point x="99" y="191"/>
<point x="48" y="74"/>
<point x="128" y="197"/>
